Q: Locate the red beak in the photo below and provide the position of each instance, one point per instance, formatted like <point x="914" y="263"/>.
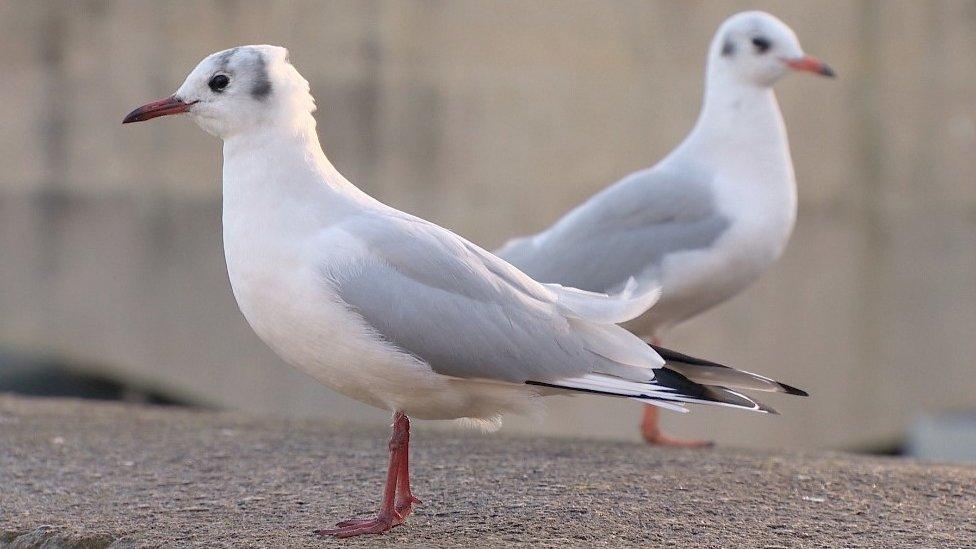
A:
<point x="163" y="107"/>
<point x="810" y="63"/>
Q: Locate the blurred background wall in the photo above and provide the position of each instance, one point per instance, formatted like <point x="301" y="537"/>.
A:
<point x="492" y="119"/>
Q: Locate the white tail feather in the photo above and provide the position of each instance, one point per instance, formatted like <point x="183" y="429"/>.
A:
<point x="603" y="308"/>
<point x="649" y="393"/>
<point x="617" y="344"/>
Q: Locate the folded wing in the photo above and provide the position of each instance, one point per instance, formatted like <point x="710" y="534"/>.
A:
<point x="624" y="232"/>
<point x="468" y="314"/>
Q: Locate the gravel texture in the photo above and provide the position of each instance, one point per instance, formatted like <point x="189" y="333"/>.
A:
<point x="84" y="474"/>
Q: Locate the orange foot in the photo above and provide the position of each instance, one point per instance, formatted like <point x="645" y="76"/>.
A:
<point x="651" y="431"/>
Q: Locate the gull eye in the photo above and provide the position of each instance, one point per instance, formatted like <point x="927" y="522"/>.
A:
<point x="218" y="82"/>
<point x="762" y="44"/>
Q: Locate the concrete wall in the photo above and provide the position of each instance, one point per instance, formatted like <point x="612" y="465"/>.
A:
<point x="493" y="118"/>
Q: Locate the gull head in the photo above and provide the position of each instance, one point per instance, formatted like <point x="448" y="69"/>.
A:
<point x="237" y="90"/>
<point x="756" y="48"/>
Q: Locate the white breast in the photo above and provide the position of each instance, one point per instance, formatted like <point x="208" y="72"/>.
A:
<point x="289" y="304"/>
<point x="281" y="294"/>
<point x="761" y="220"/>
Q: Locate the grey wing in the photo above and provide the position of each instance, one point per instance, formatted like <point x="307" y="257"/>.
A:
<point x="624" y="231"/>
<point x="423" y="290"/>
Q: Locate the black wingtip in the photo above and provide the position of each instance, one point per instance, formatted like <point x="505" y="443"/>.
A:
<point x="670" y="355"/>
<point x="790" y="390"/>
<point x="674" y="356"/>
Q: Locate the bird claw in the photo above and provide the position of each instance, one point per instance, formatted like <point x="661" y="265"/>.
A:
<point x="661" y="439"/>
<point x="350" y="522"/>
<point x="405" y="506"/>
<point x="653" y="435"/>
<point x="356" y="527"/>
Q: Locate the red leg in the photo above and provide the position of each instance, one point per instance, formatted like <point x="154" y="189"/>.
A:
<point x="388" y="516"/>
<point x="651" y="429"/>
<point x="405" y="498"/>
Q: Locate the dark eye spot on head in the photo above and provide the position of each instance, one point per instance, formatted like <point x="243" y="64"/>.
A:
<point x="728" y="48"/>
<point x="218" y="82"/>
<point x="224" y="58"/>
<point x="262" y="84"/>
<point x="762" y="44"/>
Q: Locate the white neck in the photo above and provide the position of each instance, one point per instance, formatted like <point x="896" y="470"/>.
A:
<point x="278" y="184"/>
<point x="738" y="121"/>
<point x="282" y="166"/>
<point x="282" y="147"/>
<point x="741" y="140"/>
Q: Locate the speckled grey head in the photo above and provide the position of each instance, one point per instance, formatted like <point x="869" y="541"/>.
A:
<point x="249" y="67"/>
<point x="244" y="87"/>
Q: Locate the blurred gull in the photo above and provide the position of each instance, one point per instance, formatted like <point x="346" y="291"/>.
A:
<point x="706" y="221"/>
<point x="390" y="309"/>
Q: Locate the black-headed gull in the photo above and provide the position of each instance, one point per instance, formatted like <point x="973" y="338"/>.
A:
<point x="707" y="220"/>
<point x="393" y="310"/>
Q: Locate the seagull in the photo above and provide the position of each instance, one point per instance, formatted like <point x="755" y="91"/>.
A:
<point x="393" y="310"/>
<point x="709" y="218"/>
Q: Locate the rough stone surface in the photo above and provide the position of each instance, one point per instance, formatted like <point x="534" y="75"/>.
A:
<point x="82" y="474"/>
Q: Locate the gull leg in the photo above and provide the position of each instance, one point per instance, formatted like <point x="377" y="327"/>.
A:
<point x="387" y="517"/>
<point x="404" y="498"/>
<point x="651" y="431"/>
<point x="651" y="428"/>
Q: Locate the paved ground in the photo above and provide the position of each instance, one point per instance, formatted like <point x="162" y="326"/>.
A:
<point x="80" y="474"/>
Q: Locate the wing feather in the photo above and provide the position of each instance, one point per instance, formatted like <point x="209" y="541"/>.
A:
<point x="469" y="314"/>
<point x="624" y="232"/>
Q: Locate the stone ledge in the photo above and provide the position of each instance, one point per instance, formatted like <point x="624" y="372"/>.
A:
<point x="85" y="474"/>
